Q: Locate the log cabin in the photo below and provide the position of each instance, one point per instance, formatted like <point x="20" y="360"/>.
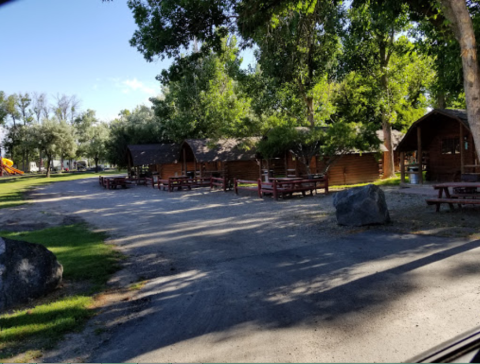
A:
<point x="230" y="158"/>
<point x="352" y="168"/>
<point x="154" y="159"/>
<point x="440" y="144"/>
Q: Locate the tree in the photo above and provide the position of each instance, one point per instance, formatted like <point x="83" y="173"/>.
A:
<point x="66" y="107"/>
<point x="457" y="13"/>
<point x="40" y="106"/>
<point x="138" y="127"/>
<point x="201" y="98"/>
<point x="373" y="48"/>
<point x="82" y="125"/>
<point x="95" y="148"/>
<point x="54" y="137"/>
<point x="3" y="108"/>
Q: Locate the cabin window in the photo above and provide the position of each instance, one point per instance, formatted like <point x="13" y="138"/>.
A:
<point x="451" y="146"/>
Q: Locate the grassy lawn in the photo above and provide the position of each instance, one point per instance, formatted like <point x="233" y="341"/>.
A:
<point x="87" y="264"/>
<point x="12" y="189"/>
<point x="380" y="182"/>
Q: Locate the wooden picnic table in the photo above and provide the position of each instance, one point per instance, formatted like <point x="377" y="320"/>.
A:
<point x="113" y="182"/>
<point x="463" y="193"/>
<point x="175" y="182"/>
<point x="287" y="186"/>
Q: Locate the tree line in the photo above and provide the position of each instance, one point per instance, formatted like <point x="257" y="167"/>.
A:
<point x="323" y="65"/>
<point x="326" y="78"/>
<point x="38" y="129"/>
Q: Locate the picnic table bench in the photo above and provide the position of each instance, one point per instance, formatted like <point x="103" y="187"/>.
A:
<point x="181" y="182"/>
<point x="247" y="185"/>
<point x="464" y="193"/>
<point x="112" y="182"/>
<point x="281" y="187"/>
<point x="218" y="182"/>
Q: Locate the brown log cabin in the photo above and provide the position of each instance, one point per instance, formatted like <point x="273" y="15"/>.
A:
<point x="352" y="168"/>
<point x="443" y="140"/>
<point x="228" y="158"/>
<point x="155" y="159"/>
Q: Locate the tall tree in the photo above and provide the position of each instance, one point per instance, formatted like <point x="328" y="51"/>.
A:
<point x="201" y="97"/>
<point x="53" y="138"/>
<point x="457" y="13"/>
<point x="66" y="107"/>
<point x="40" y="107"/>
<point x="96" y="147"/>
<point x="370" y="45"/>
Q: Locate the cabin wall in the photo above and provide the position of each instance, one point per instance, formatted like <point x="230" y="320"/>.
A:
<point x="447" y="167"/>
<point x="248" y="170"/>
<point x="352" y="169"/>
<point x="349" y="169"/>
<point x="170" y="170"/>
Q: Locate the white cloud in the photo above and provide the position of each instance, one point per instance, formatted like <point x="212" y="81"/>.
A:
<point x="136" y="85"/>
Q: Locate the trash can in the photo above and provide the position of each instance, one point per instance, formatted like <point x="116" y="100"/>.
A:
<point x="414" y="178"/>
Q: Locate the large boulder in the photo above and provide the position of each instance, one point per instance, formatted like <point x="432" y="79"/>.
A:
<point x="27" y="271"/>
<point x="361" y="206"/>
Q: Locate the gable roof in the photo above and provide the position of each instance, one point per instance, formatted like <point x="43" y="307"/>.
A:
<point x="146" y="154"/>
<point x="224" y="150"/>
<point x="409" y="141"/>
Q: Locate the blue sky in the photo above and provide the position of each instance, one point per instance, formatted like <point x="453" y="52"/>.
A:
<point x="76" y="47"/>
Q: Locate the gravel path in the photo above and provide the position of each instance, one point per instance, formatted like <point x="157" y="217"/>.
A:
<point x="239" y="279"/>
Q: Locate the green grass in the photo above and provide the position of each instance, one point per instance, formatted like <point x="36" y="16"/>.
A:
<point x="12" y="189"/>
<point x="86" y="260"/>
<point x="380" y="182"/>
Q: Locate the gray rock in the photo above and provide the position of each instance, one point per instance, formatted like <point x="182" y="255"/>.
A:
<point x="361" y="206"/>
<point x="27" y="271"/>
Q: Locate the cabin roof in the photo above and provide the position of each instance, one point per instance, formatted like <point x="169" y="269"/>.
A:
<point x="431" y="121"/>
<point x="224" y="150"/>
<point x="146" y="154"/>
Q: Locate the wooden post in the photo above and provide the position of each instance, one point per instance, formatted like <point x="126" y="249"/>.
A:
<point x="462" y="151"/>
<point x="419" y="155"/>
<point x="184" y="172"/>
<point x="402" y="167"/>
<point x="259" y="184"/>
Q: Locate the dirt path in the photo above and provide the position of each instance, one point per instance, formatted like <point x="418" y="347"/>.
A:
<point x="240" y="279"/>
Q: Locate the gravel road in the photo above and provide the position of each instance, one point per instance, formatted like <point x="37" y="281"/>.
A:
<point x="238" y="279"/>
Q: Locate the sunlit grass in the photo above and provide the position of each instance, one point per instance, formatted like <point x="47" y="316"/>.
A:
<point x="395" y="181"/>
<point x="86" y="259"/>
<point x="12" y="189"/>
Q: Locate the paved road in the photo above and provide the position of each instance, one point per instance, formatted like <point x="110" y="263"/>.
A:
<point x="243" y="280"/>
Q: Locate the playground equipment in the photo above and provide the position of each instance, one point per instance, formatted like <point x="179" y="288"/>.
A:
<point x="6" y="166"/>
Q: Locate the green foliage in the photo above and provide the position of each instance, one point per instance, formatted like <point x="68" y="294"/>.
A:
<point x="53" y="138"/>
<point x="202" y="98"/>
<point x="138" y="127"/>
<point x="95" y="147"/>
<point x="3" y="108"/>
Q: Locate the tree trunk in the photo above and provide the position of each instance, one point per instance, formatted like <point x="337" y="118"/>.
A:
<point x="388" y="156"/>
<point x="49" y="160"/>
<point x="440" y="104"/>
<point x="96" y="165"/>
<point x="310" y="113"/>
<point x="461" y="23"/>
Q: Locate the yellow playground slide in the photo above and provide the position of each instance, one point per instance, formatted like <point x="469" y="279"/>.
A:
<point x="7" y="166"/>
